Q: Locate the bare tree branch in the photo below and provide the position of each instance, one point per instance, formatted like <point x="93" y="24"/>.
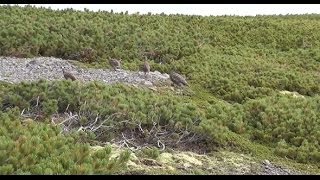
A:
<point x="67" y="108"/>
<point x="68" y="119"/>
<point x="37" y="101"/>
<point x="22" y="112"/>
<point x="95" y="121"/>
<point x="160" y="143"/>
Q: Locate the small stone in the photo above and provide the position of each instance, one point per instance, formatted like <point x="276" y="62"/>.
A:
<point x="153" y="88"/>
<point x="266" y="162"/>
<point x="157" y="73"/>
<point x="166" y="75"/>
<point x="170" y="168"/>
<point x="148" y="83"/>
<point x="187" y="165"/>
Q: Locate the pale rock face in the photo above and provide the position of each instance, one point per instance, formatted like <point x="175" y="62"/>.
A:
<point x="156" y="73"/>
<point x="166" y="76"/>
<point x="148" y="83"/>
<point x="153" y="88"/>
<point x="15" y="70"/>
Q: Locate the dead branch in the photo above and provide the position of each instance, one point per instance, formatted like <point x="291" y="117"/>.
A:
<point x="67" y="108"/>
<point x="80" y="129"/>
<point x="101" y="124"/>
<point x="160" y="143"/>
<point x="95" y="121"/>
<point x="140" y="128"/>
<point x="127" y="142"/>
<point x="182" y="136"/>
<point x="190" y="139"/>
<point x="68" y="119"/>
<point x="37" y="101"/>
<point x="22" y="112"/>
<point x="154" y="126"/>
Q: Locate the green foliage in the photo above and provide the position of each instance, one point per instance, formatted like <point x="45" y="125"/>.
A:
<point x="152" y="153"/>
<point x="241" y="63"/>
<point x="130" y="102"/>
<point x="38" y="148"/>
<point x="289" y="124"/>
<point x="235" y="58"/>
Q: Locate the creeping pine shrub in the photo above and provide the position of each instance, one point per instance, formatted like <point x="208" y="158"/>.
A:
<point x="235" y="58"/>
<point x="152" y="153"/>
<point x="285" y="123"/>
<point x="289" y="124"/>
<point x="38" y="148"/>
<point x="109" y="104"/>
<point x="245" y="60"/>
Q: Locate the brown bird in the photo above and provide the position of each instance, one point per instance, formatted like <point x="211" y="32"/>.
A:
<point x="115" y="64"/>
<point x="33" y="62"/>
<point x="178" y="79"/>
<point x="146" y="67"/>
<point x="68" y="75"/>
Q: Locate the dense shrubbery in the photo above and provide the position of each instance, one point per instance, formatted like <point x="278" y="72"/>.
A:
<point x="283" y="122"/>
<point x="242" y="60"/>
<point x="38" y="148"/>
<point x="290" y="123"/>
<point x="236" y="58"/>
<point x="90" y="100"/>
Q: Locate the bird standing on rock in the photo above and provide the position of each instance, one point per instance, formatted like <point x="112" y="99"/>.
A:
<point x="68" y="75"/>
<point x="115" y="64"/>
<point x="33" y="62"/>
<point x="178" y="79"/>
<point x="146" y="67"/>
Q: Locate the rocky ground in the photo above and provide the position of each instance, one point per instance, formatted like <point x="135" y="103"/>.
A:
<point x="186" y="162"/>
<point x="15" y="70"/>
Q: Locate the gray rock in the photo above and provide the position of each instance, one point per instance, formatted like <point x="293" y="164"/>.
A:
<point x="271" y="169"/>
<point x="166" y="76"/>
<point x="148" y="83"/>
<point x="15" y="70"/>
